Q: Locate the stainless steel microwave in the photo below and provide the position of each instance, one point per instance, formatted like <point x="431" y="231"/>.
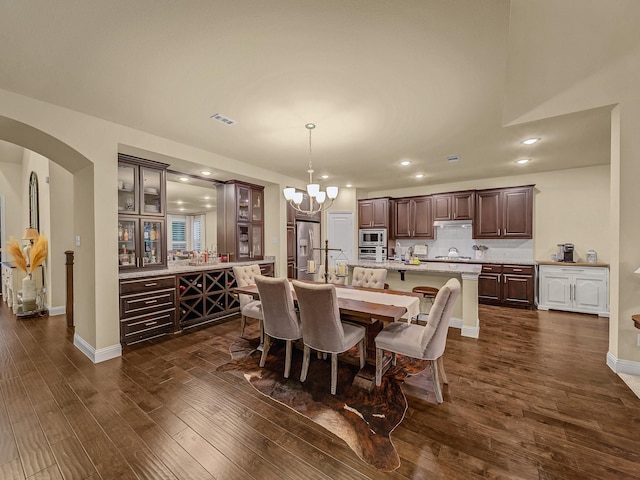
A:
<point x="372" y="237"/>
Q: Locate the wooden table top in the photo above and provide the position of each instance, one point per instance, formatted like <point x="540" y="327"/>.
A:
<point x="357" y="310"/>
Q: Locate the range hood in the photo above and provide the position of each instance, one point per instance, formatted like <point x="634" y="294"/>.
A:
<point x="452" y="223"/>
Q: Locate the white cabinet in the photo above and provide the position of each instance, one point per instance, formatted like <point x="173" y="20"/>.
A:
<point x="574" y="289"/>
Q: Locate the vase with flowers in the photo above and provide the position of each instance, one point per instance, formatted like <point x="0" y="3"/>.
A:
<point x="27" y="261"/>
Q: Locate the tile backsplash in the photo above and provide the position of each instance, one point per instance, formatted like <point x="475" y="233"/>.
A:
<point x="460" y="238"/>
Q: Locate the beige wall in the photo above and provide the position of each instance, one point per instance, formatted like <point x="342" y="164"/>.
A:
<point x="11" y="189"/>
<point x="87" y="147"/>
<point x="61" y="231"/>
<point x="564" y="58"/>
<point x="570" y="206"/>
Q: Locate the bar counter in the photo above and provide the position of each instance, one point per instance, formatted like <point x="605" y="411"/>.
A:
<point x="178" y="268"/>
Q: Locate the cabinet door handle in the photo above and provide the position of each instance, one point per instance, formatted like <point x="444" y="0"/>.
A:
<point x="499" y="230"/>
<point x="150" y="284"/>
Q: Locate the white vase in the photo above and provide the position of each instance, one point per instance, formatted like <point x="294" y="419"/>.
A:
<point x="28" y="293"/>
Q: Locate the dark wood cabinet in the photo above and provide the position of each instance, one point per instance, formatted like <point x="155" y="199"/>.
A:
<point x="142" y="238"/>
<point x="147" y="308"/>
<point x="453" y="206"/>
<point x="412" y="218"/>
<point x="373" y="213"/>
<point x="504" y="213"/>
<point x="509" y="285"/>
<point x="241" y="221"/>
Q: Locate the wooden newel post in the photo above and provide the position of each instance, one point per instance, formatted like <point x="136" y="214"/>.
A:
<point x="69" y="307"/>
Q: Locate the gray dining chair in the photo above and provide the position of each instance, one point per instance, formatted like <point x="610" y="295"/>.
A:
<point x="279" y="317"/>
<point x="424" y="342"/>
<point x="322" y="329"/>
<point x="249" y="308"/>
<point x="369" y="277"/>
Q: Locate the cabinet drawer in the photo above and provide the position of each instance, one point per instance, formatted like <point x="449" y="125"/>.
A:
<point x="491" y="268"/>
<point x="145" y="326"/>
<point x="140" y="303"/>
<point x="518" y="269"/>
<point x="147" y="284"/>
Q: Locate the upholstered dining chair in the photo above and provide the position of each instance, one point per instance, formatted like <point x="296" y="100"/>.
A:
<point x="322" y="329"/>
<point x="425" y="342"/>
<point x="249" y="308"/>
<point x="369" y="277"/>
<point x="279" y="317"/>
<point x="333" y="276"/>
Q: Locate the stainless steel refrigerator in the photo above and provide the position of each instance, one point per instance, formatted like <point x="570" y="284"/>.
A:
<point x="307" y="240"/>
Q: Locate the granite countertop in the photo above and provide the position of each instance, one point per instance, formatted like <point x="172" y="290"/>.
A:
<point x="177" y="269"/>
<point x="424" y="267"/>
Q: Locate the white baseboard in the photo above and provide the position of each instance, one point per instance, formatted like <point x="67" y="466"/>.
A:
<point x="53" y="311"/>
<point x="622" y="366"/>
<point x="472" y="332"/>
<point x="97" y="356"/>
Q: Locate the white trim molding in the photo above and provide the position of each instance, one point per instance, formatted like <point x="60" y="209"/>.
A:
<point x="622" y="366"/>
<point x="472" y="332"/>
<point x="97" y="356"/>
<point x="53" y="311"/>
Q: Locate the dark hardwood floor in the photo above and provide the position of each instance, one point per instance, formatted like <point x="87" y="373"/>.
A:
<point x="531" y="399"/>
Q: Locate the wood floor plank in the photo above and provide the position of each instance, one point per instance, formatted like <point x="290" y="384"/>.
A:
<point x="532" y="398"/>
<point x="71" y="458"/>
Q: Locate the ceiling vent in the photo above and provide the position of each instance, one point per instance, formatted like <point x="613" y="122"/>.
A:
<point x="222" y="119"/>
<point x="453" y="158"/>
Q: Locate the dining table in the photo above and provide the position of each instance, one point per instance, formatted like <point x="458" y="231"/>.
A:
<point x="371" y="308"/>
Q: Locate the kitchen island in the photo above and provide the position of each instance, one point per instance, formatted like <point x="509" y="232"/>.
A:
<point x="401" y="276"/>
<point x="169" y="300"/>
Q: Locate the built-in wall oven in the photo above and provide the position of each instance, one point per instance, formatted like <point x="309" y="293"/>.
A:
<point x="370" y="253"/>
<point x="372" y="237"/>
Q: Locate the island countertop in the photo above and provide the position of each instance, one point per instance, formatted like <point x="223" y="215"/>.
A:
<point x="181" y="268"/>
<point x="425" y="267"/>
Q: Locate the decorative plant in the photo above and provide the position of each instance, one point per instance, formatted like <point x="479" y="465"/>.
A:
<point x="37" y="253"/>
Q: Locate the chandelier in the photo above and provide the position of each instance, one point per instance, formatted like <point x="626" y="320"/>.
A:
<point x="317" y="197"/>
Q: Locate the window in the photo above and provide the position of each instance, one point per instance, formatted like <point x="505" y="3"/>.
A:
<point x="195" y="230"/>
<point x="186" y="232"/>
<point x="178" y="233"/>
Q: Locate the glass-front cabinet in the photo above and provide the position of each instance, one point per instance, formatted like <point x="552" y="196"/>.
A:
<point x="142" y="238"/>
<point x="250" y="204"/>
<point x="249" y="242"/>
<point x="142" y="242"/>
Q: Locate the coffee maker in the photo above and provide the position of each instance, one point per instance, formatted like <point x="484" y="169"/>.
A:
<point x="565" y="252"/>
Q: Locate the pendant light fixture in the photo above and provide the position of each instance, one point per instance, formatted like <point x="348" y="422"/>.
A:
<point x="317" y="197"/>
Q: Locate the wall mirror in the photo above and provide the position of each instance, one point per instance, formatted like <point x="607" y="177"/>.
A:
<point x="34" y="203"/>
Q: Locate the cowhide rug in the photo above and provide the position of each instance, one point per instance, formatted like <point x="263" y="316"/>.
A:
<point x="363" y="419"/>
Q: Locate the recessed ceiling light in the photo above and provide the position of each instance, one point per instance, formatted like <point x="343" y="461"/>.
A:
<point x="183" y="179"/>
<point x="181" y="209"/>
<point x="179" y="202"/>
<point x="522" y="161"/>
<point x="207" y="197"/>
<point x="404" y="163"/>
<point x="205" y="173"/>
<point x="324" y="177"/>
<point x="348" y="185"/>
<point x="208" y="206"/>
<point x="530" y="141"/>
<point x="419" y="175"/>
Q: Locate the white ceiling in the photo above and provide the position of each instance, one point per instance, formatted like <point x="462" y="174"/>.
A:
<point x="383" y="82"/>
